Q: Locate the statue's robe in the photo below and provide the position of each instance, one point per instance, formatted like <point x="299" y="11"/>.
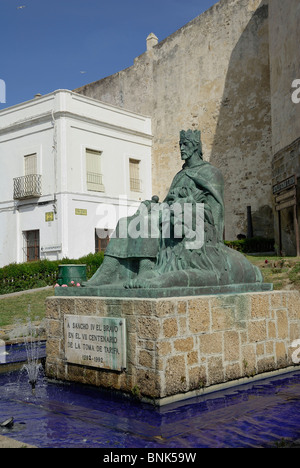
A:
<point x="175" y="262"/>
<point x="213" y="263"/>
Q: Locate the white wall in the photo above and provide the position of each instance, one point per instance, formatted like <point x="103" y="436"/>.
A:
<point x="59" y="127"/>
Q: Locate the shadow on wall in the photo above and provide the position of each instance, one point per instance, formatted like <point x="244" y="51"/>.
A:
<point x="242" y="143"/>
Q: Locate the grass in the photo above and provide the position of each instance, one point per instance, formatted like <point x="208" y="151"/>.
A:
<point x="14" y="309"/>
<point x="283" y="272"/>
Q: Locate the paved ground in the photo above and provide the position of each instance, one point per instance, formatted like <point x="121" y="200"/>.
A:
<point x="6" y="442"/>
<point x="27" y="291"/>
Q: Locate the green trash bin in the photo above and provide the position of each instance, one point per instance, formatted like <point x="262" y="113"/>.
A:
<point x="68" y="273"/>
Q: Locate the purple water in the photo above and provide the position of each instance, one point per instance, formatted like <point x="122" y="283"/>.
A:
<point x="70" y="415"/>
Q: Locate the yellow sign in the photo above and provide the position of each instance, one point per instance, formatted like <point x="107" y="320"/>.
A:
<point x="80" y="212"/>
<point x="49" y="216"/>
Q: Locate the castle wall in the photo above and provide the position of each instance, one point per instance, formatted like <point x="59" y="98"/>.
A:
<point x="284" y="66"/>
<point x="213" y="75"/>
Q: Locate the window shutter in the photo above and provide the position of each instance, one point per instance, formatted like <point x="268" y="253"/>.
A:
<point x="93" y="171"/>
<point x="134" y="174"/>
<point x="30" y="163"/>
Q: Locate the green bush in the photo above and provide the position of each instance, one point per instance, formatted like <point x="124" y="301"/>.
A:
<point x="294" y="274"/>
<point x="23" y="276"/>
<point x="253" y="245"/>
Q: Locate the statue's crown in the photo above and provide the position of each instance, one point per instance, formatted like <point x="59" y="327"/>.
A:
<point x="193" y="135"/>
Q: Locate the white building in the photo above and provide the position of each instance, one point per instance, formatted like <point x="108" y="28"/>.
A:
<point x="66" y="161"/>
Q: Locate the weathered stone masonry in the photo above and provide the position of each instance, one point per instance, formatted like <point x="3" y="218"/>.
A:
<point x="182" y="345"/>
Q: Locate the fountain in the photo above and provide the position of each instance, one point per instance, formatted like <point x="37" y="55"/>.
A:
<point x="33" y="365"/>
<point x="3" y="352"/>
<point x="172" y="312"/>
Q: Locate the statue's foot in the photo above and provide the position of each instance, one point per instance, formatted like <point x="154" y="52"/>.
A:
<point x="135" y="284"/>
<point x="141" y="281"/>
<point x="174" y="279"/>
<point x="95" y="283"/>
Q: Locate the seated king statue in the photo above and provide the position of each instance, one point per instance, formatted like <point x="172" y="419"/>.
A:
<point x="181" y="241"/>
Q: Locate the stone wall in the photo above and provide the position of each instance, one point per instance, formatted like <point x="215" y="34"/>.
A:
<point x="183" y="346"/>
<point x="213" y="75"/>
<point x="284" y="65"/>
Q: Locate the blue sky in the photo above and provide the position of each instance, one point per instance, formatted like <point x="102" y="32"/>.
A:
<point x="64" y="44"/>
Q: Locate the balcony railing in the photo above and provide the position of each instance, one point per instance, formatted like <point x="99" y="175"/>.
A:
<point x="29" y="186"/>
<point x="94" y="182"/>
<point x="135" y="185"/>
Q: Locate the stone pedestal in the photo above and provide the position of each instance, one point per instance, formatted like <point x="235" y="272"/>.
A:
<point x="176" y="347"/>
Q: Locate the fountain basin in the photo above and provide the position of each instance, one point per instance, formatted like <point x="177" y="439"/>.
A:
<point x="14" y="355"/>
<point x="60" y="415"/>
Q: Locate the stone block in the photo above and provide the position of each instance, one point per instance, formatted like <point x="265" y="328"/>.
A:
<point x="269" y="347"/>
<point x="231" y="346"/>
<point x="183" y="325"/>
<point x="281" y="354"/>
<point x="260" y="349"/>
<point x="192" y="358"/>
<point x="266" y="364"/>
<point x="86" y="306"/>
<point x="260" y="307"/>
<point x="249" y="359"/>
<point x="271" y="330"/>
<point x="147" y="383"/>
<point x="67" y="306"/>
<point x="55" y="328"/>
<point x="175" y="375"/>
<point x="146" y="359"/>
<point x="199" y="315"/>
<point x="165" y="308"/>
<point x="277" y="300"/>
<point x="53" y="308"/>
<point x="184" y="344"/>
<point x="215" y="370"/>
<point x="149" y="327"/>
<point x="257" y="331"/>
<point x="294" y="305"/>
<point x="163" y="348"/>
<point x="197" y="378"/>
<point x="211" y="343"/>
<point x="282" y="324"/>
<point x="170" y="328"/>
<point x="232" y="372"/>
<point x="294" y="330"/>
<point x="222" y="319"/>
<point x="181" y="307"/>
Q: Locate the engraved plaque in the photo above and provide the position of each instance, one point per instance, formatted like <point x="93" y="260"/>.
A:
<point x="96" y="341"/>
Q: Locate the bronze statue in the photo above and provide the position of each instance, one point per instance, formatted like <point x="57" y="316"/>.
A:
<point x="173" y="253"/>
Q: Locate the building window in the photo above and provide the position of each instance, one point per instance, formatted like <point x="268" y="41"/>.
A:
<point x="94" y="177"/>
<point x="30" y="164"/>
<point x="31" y="245"/>
<point x="101" y="243"/>
<point x="134" y="174"/>
<point x="29" y="185"/>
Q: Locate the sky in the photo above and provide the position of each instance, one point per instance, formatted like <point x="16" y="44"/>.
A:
<point x="64" y="44"/>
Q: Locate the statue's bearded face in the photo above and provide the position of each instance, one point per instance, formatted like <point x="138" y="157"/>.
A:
<point x="187" y="148"/>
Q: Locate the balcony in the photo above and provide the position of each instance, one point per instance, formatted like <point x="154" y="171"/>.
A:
<point x="135" y="185"/>
<point x="29" y="186"/>
<point x="94" y="182"/>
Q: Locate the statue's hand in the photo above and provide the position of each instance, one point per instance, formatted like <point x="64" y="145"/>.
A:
<point x="198" y="195"/>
